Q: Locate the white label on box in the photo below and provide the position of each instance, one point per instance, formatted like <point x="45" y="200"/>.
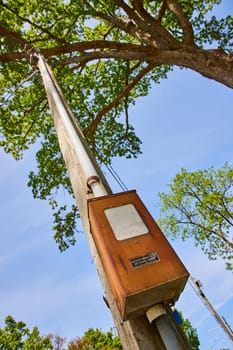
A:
<point x="125" y="222"/>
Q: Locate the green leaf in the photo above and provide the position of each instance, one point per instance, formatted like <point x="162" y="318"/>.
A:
<point x="200" y="205"/>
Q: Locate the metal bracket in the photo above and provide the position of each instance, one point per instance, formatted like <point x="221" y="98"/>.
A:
<point x="90" y="181"/>
<point x="154" y="312"/>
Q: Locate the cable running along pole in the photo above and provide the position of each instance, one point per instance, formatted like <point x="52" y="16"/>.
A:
<point x="158" y="331"/>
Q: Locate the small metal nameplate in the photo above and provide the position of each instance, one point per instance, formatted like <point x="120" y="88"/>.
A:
<point x="139" y="261"/>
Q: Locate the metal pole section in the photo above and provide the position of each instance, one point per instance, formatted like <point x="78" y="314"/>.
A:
<point x="172" y="336"/>
<point x="168" y="334"/>
<point x="56" y="102"/>
<point x="137" y="333"/>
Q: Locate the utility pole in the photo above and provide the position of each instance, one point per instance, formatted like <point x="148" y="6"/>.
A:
<point x="156" y="328"/>
<point x="221" y="321"/>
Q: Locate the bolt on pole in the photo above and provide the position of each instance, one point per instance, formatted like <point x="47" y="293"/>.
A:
<point x="139" y="333"/>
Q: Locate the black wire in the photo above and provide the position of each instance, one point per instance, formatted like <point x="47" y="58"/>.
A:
<point x="116" y="177"/>
<point x="113" y="173"/>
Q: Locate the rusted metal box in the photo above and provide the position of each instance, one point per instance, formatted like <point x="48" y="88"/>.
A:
<point x="141" y="266"/>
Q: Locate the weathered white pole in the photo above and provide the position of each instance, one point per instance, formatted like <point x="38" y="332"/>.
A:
<point x="138" y="333"/>
<point x="55" y="100"/>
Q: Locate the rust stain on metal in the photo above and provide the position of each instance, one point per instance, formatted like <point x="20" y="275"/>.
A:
<point x="157" y="275"/>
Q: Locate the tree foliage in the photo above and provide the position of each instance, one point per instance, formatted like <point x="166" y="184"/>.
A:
<point x="105" y="54"/>
<point x="190" y="332"/>
<point x="200" y="205"/>
<point x="94" y="339"/>
<point x="16" y="336"/>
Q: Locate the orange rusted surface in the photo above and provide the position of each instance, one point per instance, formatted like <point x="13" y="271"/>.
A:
<point x="142" y="271"/>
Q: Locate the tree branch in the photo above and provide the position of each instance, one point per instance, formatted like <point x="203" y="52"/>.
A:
<point x="89" y="113"/>
<point x="38" y="102"/>
<point x="218" y="233"/>
<point x="209" y="63"/>
<point x="127" y="74"/>
<point x="78" y="46"/>
<point x="154" y="27"/>
<point x="161" y="11"/>
<point x="52" y="36"/>
<point x="143" y="32"/>
<point x="127" y="26"/>
<point x="111" y="19"/>
<point x="12" y="35"/>
<point x="132" y="14"/>
<point x="116" y="101"/>
<point x="119" y="54"/>
<point x="210" y="209"/>
<point x="223" y="237"/>
<point x="183" y="21"/>
<point x="226" y="209"/>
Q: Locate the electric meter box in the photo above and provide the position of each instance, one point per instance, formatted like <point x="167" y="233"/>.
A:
<point x="141" y="267"/>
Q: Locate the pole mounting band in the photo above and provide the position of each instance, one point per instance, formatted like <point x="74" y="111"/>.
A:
<point x="91" y="180"/>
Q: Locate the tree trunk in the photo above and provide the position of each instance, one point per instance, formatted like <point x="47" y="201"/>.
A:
<point x="212" y="64"/>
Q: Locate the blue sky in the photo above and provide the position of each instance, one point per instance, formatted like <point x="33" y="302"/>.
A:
<point x="186" y="121"/>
